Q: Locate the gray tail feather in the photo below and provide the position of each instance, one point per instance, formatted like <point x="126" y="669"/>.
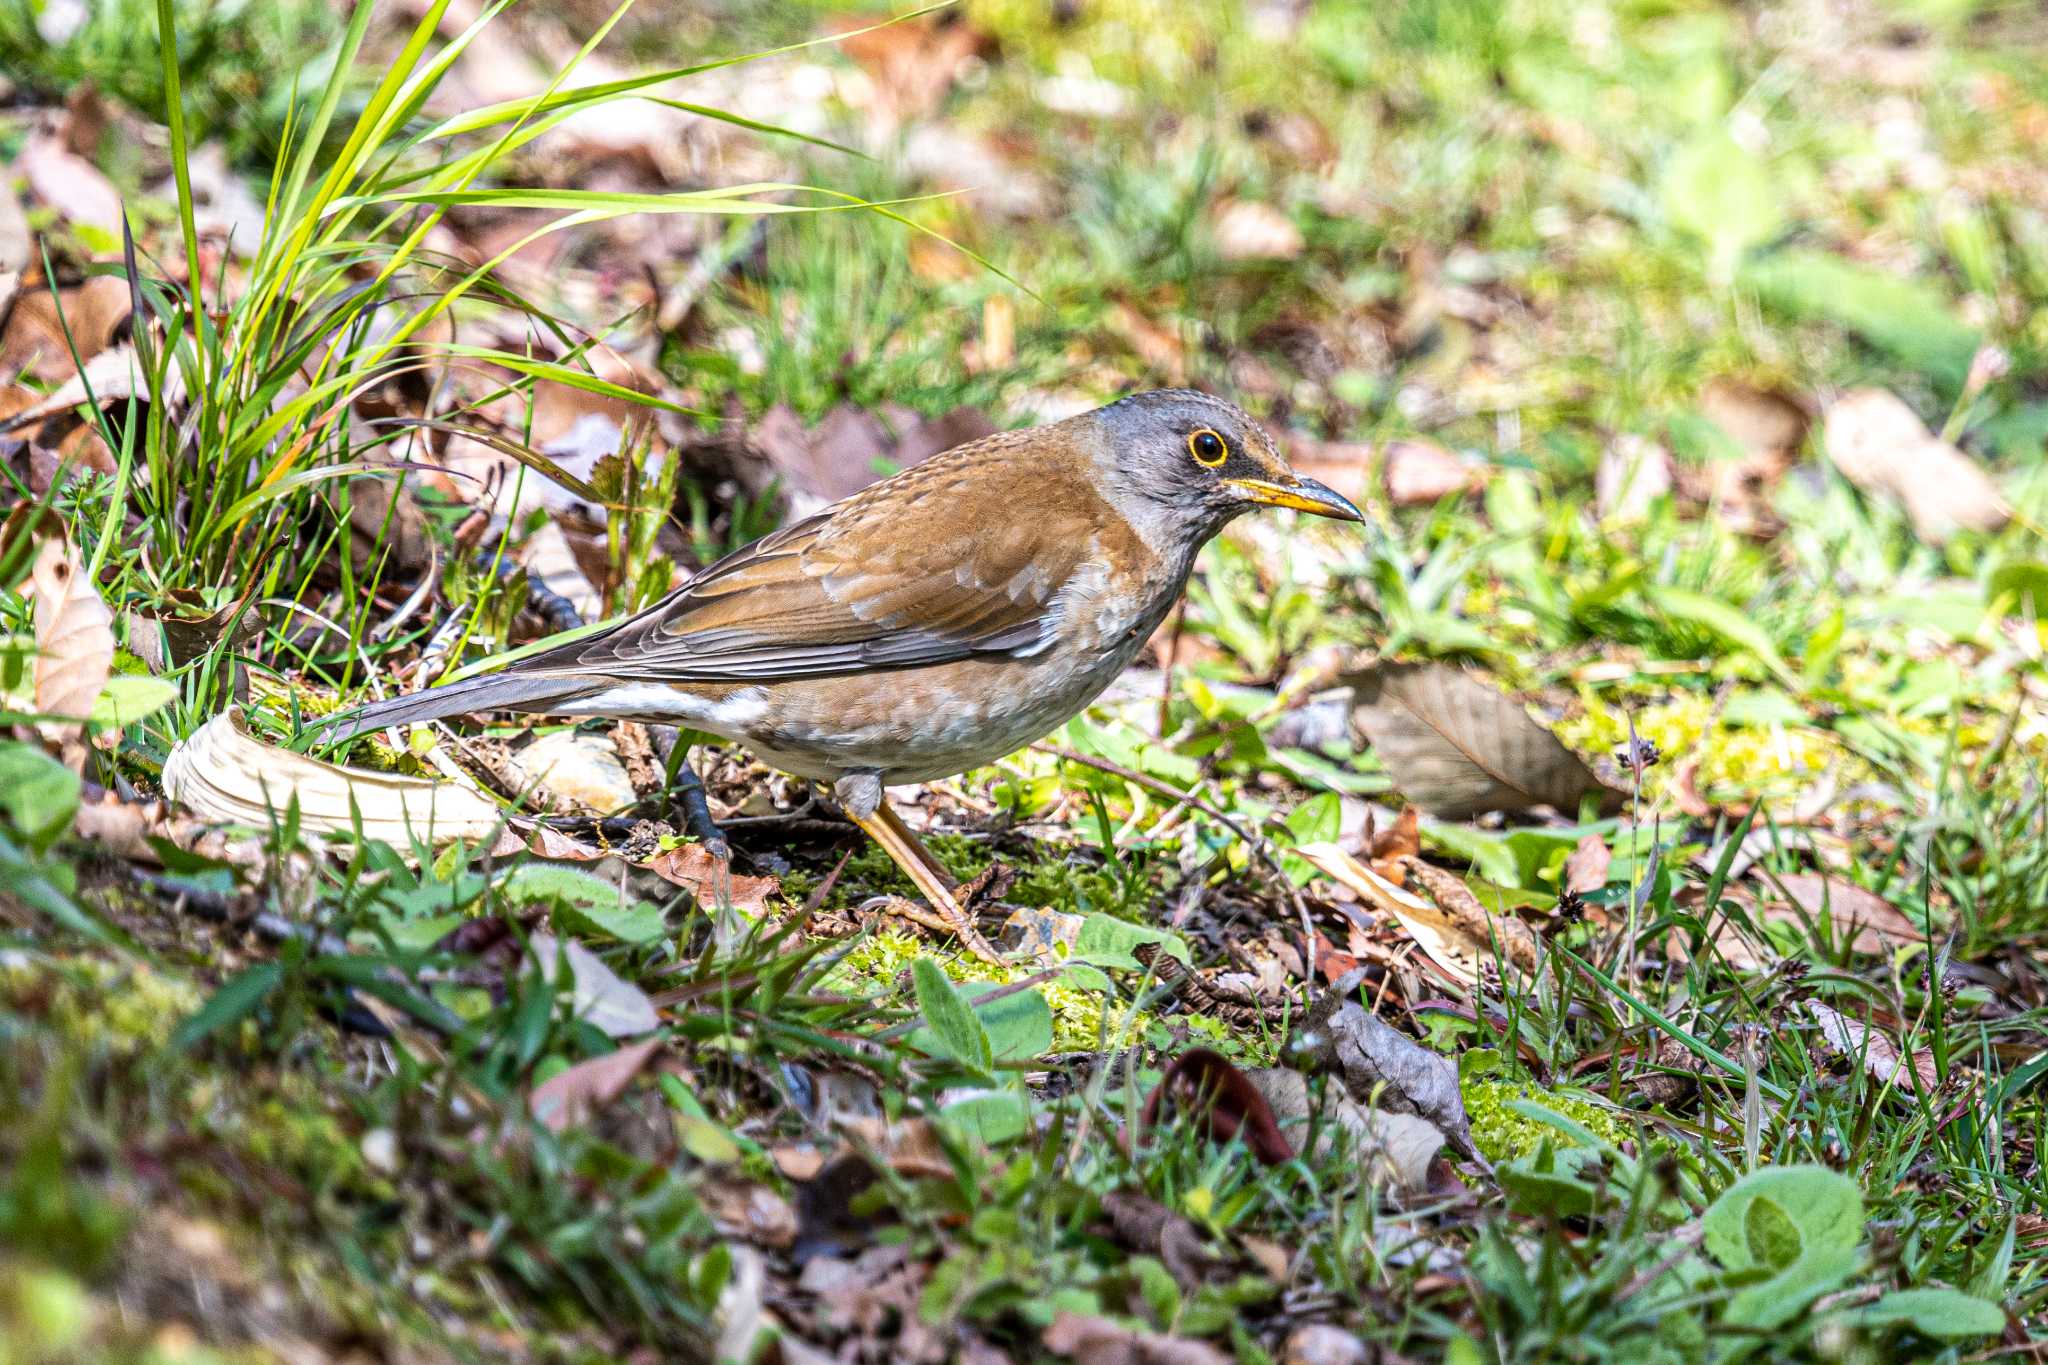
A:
<point x="500" y="691"/>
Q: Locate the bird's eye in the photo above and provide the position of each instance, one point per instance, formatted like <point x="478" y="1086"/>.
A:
<point x="1208" y="448"/>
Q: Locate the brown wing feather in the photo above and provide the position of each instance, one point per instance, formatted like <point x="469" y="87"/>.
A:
<point x="909" y="572"/>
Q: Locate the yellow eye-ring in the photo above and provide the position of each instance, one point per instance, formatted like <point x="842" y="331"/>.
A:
<point x="1208" y="448"/>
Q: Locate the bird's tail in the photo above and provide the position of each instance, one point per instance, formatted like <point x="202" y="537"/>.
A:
<point x="495" y="692"/>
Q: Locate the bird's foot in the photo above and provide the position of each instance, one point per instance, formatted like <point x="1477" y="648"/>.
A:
<point x="948" y="919"/>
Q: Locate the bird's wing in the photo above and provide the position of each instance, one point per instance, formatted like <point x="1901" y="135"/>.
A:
<point x="941" y="563"/>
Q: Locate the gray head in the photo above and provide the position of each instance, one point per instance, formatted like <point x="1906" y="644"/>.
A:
<point x="1194" y="462"/>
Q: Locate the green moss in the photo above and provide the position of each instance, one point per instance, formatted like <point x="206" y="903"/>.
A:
<point x="126" y="1009"/>
<point x="1501" y="1134"/>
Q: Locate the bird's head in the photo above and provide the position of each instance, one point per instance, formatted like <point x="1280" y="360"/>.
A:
<point x="1187" y="463"/>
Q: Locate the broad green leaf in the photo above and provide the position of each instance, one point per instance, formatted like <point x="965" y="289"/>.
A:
<point x="1772" y="1239"/>
<point x="38" y="794"/>
<point x="954" y="1029"/>
<point x="1947" y="1314"/>
<point x="992" y="1117"/>
<point x="1725" y="197"/>
<point x="1824" y="1207"/>
<point x="129" y="697"/>
<point x="1018" y="1026"/>
<point x="1107" y="941"/>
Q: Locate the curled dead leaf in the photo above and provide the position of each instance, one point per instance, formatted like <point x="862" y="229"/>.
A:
<point x="1862" y="1045"/>
<point x="1396" y="1151"/>
<point x="1223" y="1102"/>
<point x="223" y="773"/>
<point x="1881" y="445"/>
<point x="74" y="640"/>
<point x="1381" y="1066"/>
<point x="1460" y="938"/>
<point x="571" y="1096"/>
<point x="1585" y="869"/>
<point x="1458" y="747"/>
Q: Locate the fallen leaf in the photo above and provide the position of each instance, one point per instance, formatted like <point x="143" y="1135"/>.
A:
<point x="598" y="995"/>
<point x="1862" y="1045"/>
<point x="912" y="64"/>
<point x="570" y="1097"/>
<point x="1381" y="1066"/>
<point x="1766" y="429"/>
<point x="66" y="182"/>
<point x="223" y="773"/>
<point x="1457" y="747"/>
<point x="1883" y="447"/>
<point x="1402" y="838"/>
<point x="1459" y="938"/>
<point x="17" y="247"/>
<point x="1248" y="230"/>
<point x="1422" y="473"/>
<point x="1224" y="1104"/>
<point x="74" y="640"/>
<point x="1098" y="1341"/>
<point x="1585" y="868"/>
<point x="712" y="880"/>
<point x="1869" y="922"/>
<point x="1397" y="1151"/>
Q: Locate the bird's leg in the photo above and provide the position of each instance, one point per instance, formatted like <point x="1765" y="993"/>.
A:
<point x="697" y="813"/>
<point x="861" y="796"/>
<point x="888" y="816"/>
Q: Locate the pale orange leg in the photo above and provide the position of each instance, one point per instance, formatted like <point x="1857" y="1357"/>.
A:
<point x="887" y="814"/>
<point x="907" y="853"/>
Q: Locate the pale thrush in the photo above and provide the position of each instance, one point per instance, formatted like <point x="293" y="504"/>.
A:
<point x="932" y="622"/>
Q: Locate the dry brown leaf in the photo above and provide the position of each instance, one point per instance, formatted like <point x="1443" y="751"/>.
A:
<point x="1490" y="933"/>
<point x="1397" y="1151"/>
<point x="1585" y="868"/>
<point x="1421" y="473"/>
<point x="1862" y="1045"/>
<point x="223" y="773"/>
<point x="1099" y="1341"/>
<point x="712" y="881"/>
<point x="17" y="248"/>
<point x="1881" y="445"/>
<point x="1463" y="955"/>
<point x="912" y="64"/>
<point x="571" y="1096"/>
<point x="62" y="180"/>
<point x="910" y="1147"/>
<point x="1869" y="922"/>
<point x="1457" y="747"/>
<point x="750" y="1212"/>
<point x="1767" y="426"/>
<point x="1248" y="230"/>
<point x="74" y="641"/>
<point x="598" y="996"/>
<point x="1380" y="1066"/>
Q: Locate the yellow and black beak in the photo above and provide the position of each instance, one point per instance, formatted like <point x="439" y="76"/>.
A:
<point x="1303" y="495"/>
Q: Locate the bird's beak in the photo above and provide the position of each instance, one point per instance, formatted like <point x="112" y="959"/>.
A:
<point x="1303" y="495"/>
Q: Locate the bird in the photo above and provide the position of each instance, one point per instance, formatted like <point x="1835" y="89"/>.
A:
<point x="930" y="623"/>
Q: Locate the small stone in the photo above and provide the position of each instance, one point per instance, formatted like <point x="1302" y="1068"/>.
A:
<point x="582" y="768"/>
<point x="380" y="1151"/>
<point x="1321" y="1344"/>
